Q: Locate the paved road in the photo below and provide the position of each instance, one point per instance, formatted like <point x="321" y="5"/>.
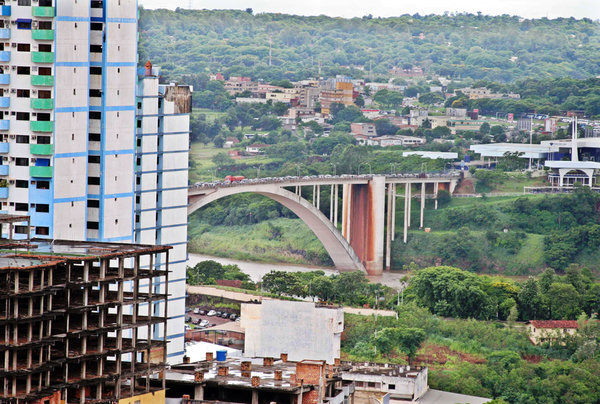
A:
<point x="245" y="297"/>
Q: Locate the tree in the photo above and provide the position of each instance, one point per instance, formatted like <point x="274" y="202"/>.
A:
<point x="564" y="301"/>
<point x="219" y="141"/>
<point x="411" y="340"/>
<point x="529" y="300"/>
<point x="222" y="159"/>
<point x="359" y="101"/>
<point x="485" y="128"/>
<point x="249" y="11"/>
<point x="432" y="98"/>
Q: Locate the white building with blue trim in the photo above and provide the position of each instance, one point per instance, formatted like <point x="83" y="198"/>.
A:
<point x="87" y="152"/>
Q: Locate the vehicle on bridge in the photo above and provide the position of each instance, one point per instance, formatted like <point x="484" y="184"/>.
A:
<point x="234" y="178"/>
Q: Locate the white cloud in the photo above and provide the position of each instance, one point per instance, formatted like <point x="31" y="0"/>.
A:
<point x="386" y="8"/>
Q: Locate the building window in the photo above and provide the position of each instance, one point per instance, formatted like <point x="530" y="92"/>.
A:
<point x="93" y="180"/>
<point x="97" y="4"/>
<point x="21" y="229"/>
<point x="94" y="159"/>
<point x="42" y="231"/>
<point x="42" y="208"/>
<point x="24" y="2"/>
<point x="43" y="140"/>
<point x="95" y="69"/>
<point x="23" y="93"/>
<point x="95" y="48"/>
<point x="95" y="93"/>
<point x="94" y="137"/>
<point x="93" y="203"/>
<point x="46" y="25"/>
<point x="22" y="161"/>
<point x="93" y="225"/>
<point x="45" y="48"/>
<point x="43" y="117"/>
<point x="23" y="70"/>
<point x="45" y="94"/>
<point x="21" y="184"/>
<point x="22" y="207"/>
<point x="22" y="116"/>
<point x="23" y="139"/>
<point x="137" y="199"/>
<point x="95" y="115"/>
<point x="23" y="47"/>
<point x="42" y="184"/>
<point x="96" y="26"/>
<point x="392" y="387"/>
<point x="24" y="24"/>
<point x="45" y="71"/>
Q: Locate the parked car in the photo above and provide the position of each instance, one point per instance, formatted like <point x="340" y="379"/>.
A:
<point x="238" y="319"/>
<point x="225" y="315"/>
<point x="202" y="312"/>
<point x="188" y="319"/>
<point x="196" y="311"/>
<point x="204" y="323"/>
<point x="188" y="309"/>
<point x="232" y="316"/>
<point x="195" y="321"/>
<point x="218" y="314"/>
<point x="187" y="327"/>
<point x="211" y="313"/>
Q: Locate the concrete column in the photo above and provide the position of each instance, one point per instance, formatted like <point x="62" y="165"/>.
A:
<point x="331" y="204"/>
<point x="254" y="396"/>
<point x="198" y="392"/>
<point x="335" y="208"/>
<point x="436" y="187"/>
<point x="388" y="239"/>
<point x="318" y="197"/>
<point x="376" y="224"/>
<point x="409" y="202"/>
<point x="346" y="211"/>
<point x="314" y="194"/>
<point x="406" y="205"/>
<point x="423" y="185"/>
<point x="394" y="186"/>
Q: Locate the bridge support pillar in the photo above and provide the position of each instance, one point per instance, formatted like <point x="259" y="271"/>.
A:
<point x="423" y="186"/>
<point x="346" y="211"/>
<point x="365" y="220"/>
<point x="335" y="207"/>
<point x="318" y="197"/>
<point x="331" y="204"/>
<point x="388" y="235"/>
<point x="406" y="210"/>
<point x="394" y="186"/>
<point x="436" y="187"/>
<point x="409" y="185"/>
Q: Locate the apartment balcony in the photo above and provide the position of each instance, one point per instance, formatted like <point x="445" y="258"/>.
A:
<point x="37" y="80"/>
<point x="5" y="33"/>
<point x="40" y="172"/>
<point x="41" y="149"/>
<point x="5" y="56"/>
<point x="3" y="192"/>
<point x="42" y="11"/>
<point x="4" y="124"/>
<point x="41" y="126"/>
<point x="4" y="147"/>
<point x="4" y="79"/>
<point x="5" y="10"/>
<point x="4" y="170"/>
<point x="42" y="103"/>
<point x="43" y="34"/>
<point x="4" y="102"/>
<point x="39" y="57"/>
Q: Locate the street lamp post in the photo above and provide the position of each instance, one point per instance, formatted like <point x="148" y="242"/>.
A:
<point x="367" y="164"/>
<point x="393" y="168"/>
<point x="212" y="173"/>
<point x="334" y="169"/>
<point x="258" y="170"/>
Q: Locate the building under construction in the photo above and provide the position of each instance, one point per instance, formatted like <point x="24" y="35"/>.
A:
<point x="80" y="322"/>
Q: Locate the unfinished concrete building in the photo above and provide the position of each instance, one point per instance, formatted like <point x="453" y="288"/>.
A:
<point x="258" y="381"/>
<point x="75" y="319"/>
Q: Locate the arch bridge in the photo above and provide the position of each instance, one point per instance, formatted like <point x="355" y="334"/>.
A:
<point x="362" y="238"/>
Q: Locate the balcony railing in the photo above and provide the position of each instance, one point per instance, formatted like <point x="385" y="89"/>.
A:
<point x="42" y="57"/>
<point x="5" y="56"/>
<point x="4" y="169"/>
<point x="42" y="11"/>
<point x="37" y="80"/>
<point x="3" y="192"/>
<point x="41" y="126"/>
<point x="42" y="103"/>
<point x="4" y="147"/>
<point x="4" y="102"/>
<point x="5" y="10"/>
<point x="41" y="172"/>
<point x="41" y="149"/>
<point x="43" y="34"/>
<point x="5" y="33"/>
<point x="4" y="124"/>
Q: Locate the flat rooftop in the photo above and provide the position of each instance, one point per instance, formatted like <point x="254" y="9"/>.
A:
<point x="43" y="252"/>
<point x="375" y="369"/>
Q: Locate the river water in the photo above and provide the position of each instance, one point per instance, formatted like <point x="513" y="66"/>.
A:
<point x="257" y="270"/>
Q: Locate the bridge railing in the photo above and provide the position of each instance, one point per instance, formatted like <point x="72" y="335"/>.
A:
<point x="317" y="178"/>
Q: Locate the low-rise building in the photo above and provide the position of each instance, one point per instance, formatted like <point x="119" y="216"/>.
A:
<point x="397" y="140"/>
<point x="541" y="331"/>
<point x="374" y="381"/>
<point x="257" y="148"/>
<point x="365" y="129"/>
<point x="432" y="155"/>
<point x="341" y="93"/>
<point x="230" y="142"/>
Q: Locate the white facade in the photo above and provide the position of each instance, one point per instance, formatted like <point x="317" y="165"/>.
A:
<point x="161" y="178"/>
<point x="300" y="329"/>
<point x="401" y="382"/>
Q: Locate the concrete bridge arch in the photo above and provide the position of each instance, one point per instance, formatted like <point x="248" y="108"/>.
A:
<point x="339" y="249"/>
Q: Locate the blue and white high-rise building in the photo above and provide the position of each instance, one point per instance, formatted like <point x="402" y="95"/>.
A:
<point x="87" y="152"/>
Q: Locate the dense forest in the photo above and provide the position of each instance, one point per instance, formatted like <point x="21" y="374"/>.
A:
<point x="501" y="48"/>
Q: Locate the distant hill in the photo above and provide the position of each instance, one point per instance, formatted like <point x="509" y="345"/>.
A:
<point x="501" y="49"/>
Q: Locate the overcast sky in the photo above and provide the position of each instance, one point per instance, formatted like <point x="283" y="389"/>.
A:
<point x="387" y="8"/>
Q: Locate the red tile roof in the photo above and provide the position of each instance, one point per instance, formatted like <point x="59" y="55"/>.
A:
<point x="554" y="323"/>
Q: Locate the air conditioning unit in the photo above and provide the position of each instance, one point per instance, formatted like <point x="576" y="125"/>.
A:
<point x="5" y="136"/>
<point x="12" y="204"/>
<point x="14" y="67"/>
<point x="33" y="205"/>
<point x="13" y="22"/>
<point x="14" y="44"/>
<point x="12" y="158"/>
<point x="11" y="181"/>
<point x="32" y="182"/>
<point x="12" y="136"/>
<point x="5" y="158"/>
<point x="34" y="114"/>
<point x="33" y="137"/>
<point x="34" y="24"/>
<point x="13" y="90"/>
<point x="34" y="91"/>
<point x="34" y="68"/>
<point x="6" y="90"/>
<point x="33" y="159"/>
